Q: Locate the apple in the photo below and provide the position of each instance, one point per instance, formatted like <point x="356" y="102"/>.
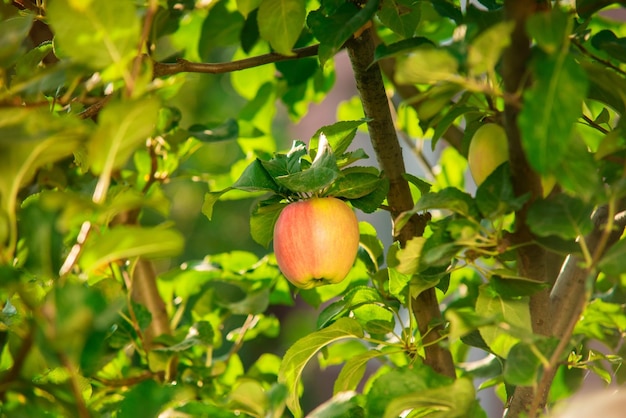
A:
<point x="488" y="149"/>
<point x="316" y="241"/>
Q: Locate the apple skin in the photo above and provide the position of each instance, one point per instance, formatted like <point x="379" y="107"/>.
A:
<point x="316" y="241"/>
<point x="488" y="149"/>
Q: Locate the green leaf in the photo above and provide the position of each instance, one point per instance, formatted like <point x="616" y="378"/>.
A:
<point x="401" y="16"/>
<point x="280" y="23"/>
<point x="12" y="33"/>
<point x="262" y="222"/>
<point x="372" y="201"/>
<point x="523" y="367"/>
<point x="485" y="50"/>
<point x="344" y="404"/>
<point x="614" y="260"/>
<point x="562" y="215"/>
<point x="354" y="183"/>
<point x="123" y="126"/>
<point x="605" y="85"/>
<point x="124" y="242"/>
<point x="586" y="8"/>
<point x="322" y="172"/>
<point x="495" y="196"/>
<point x="550" y="30"/>
<point x="449" y="198"/>
<point x="514" y="312"/>
<point x="454" y="401"/>
<point x="374" y="318"/>
<point x="352" y="372"/>
<point x="422" y="185"/>
<point x="339" y="136"/>
<point x="551" y="108"/>
<point x="283" y="164"/>
<point x="334" y="29"/>
<point x="226" y="131"/>
<point x="409" y="256"/>
<point x="147" y="399"/>
<point x="371" y="249"/>
<point x="95" y="33"/>
<point x="607" y="41"/>
<point x="427" y="65"/>
<point x="299" y="354"/>
<point x="401" y="382"/>
<point x="356" y="297"/>
<point x="406" y="45"/>
<point x="249" y="397"/>
<point x="255" y="178"/>
<point x="578" y="173"/>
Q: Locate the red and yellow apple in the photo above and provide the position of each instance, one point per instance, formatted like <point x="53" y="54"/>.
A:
<point x="488" y="149"/>
<point x="316" y="241"/>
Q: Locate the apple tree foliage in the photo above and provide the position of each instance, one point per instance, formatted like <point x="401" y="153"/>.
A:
<point x="113" y="306"/>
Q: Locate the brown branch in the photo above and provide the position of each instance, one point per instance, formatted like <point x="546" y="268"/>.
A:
<point x="371" y="88"/>
<point x="571" y="292"/>
<point x="531" y="259"/>
<point x="153" y="6"/>
<point x="602" y="61"/>
<point x="184" y="66"/>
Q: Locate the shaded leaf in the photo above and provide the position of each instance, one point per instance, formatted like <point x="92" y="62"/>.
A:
<point x="562" y="215"/>
<point x="262" y="222"/>
<point x="334" y="29"/>
<point x="551" y="108"/>
<point x="228" y="130"/>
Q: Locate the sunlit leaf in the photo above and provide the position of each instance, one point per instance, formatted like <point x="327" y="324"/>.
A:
<point x="95" y="33"/>
<point x="484" y="51"/>
<point x="299" y="354"/>
<point x="515" y="312"/>
<point x="454" y="401"/>
<point x="123" y="126"/>
<point x="280" y="23"/>
<point x="124" y="242"/>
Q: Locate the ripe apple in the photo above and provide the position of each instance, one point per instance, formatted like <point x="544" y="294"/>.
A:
<point x="488" y="149"/>
<point x="316" y="241"/>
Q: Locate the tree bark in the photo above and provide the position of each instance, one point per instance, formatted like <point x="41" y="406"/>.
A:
<point x="389" y="154"/>
<point x="531" y="259"/>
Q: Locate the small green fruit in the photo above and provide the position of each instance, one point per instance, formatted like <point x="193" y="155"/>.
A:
<point x="316" y="241"/>
<point x="489" y="148"/>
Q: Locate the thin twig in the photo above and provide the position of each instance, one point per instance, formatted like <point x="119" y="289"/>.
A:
<point x="153" y="6"/>
<point x="184" y="66"/>
<point x="591" y="55"/>
<point x="81" y="407"/>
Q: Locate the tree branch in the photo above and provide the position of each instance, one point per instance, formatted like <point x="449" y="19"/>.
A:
<point x="531" y="259"/>
<point x="389" y="154"/>
<point x="571" y="292"/>
<point x="184" y="66"/>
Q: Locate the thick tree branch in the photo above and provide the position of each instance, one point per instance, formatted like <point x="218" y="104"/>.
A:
<point x="389" y="154"/>
<point x="531" y="259"/>
<point x="184" y="66"/>
<point x="571" y="292"/>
